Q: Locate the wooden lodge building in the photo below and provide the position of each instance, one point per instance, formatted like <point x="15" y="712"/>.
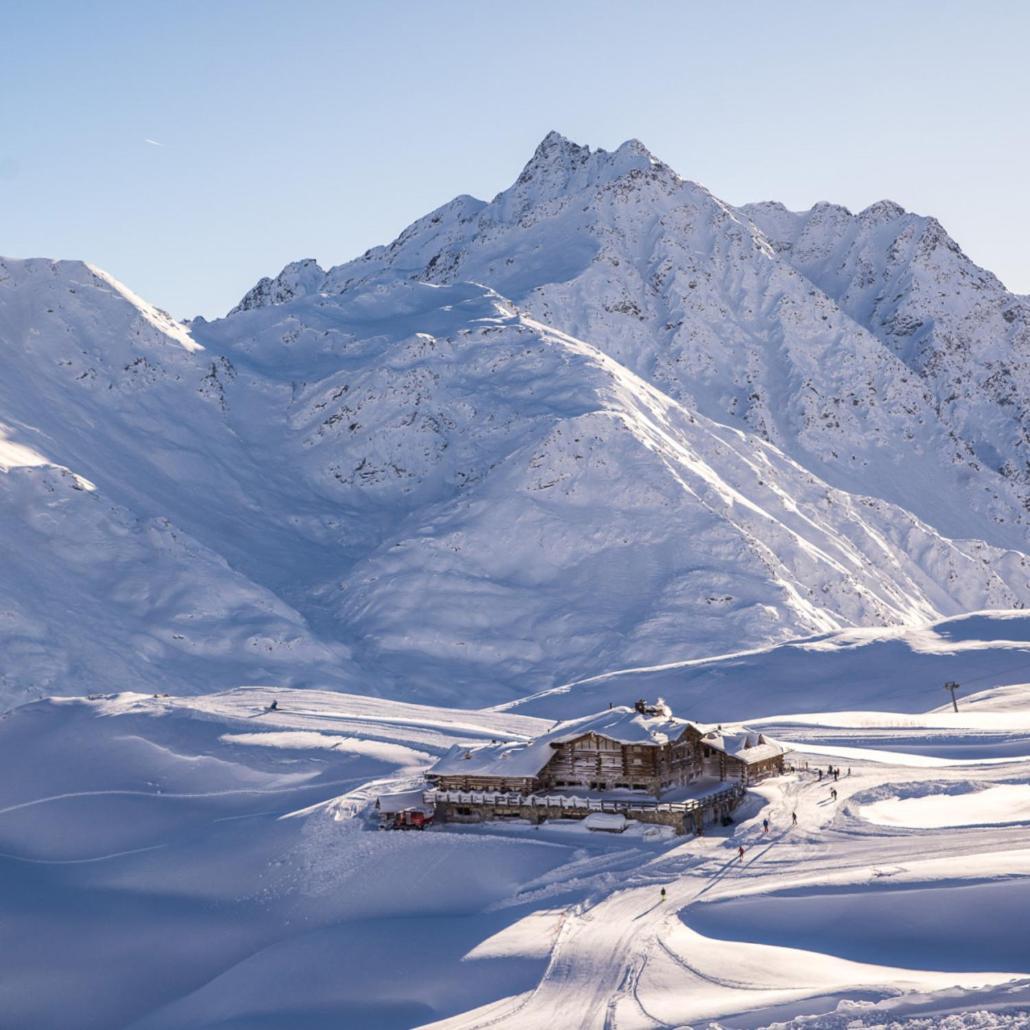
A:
<point x="642" y="749"/>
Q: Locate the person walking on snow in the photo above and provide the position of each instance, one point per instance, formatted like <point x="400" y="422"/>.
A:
<point x="740" y="852"/>
<point x="663" y="894"/>
<point x="794" y="816"/>
<point x="833" y="794"/>
<point x="765" y="826"/>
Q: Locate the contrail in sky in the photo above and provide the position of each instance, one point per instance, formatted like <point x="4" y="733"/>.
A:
<point x="153" y="142"/>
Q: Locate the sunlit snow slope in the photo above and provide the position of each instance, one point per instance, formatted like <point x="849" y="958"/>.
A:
<point x="898" y="670"/>
<point x="205" y="862"/>
<point x="412" y="489"/>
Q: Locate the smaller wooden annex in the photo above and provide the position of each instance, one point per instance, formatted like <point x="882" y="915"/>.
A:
<point x="641" y="749"/>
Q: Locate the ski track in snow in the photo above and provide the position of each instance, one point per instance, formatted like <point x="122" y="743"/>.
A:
<point x="605" y="949"/>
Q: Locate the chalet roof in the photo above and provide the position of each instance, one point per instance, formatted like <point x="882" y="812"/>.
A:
<point x="624" y="725"/>
<point x="510" y="760"/>
<point x="743" y="745"/>
<point x="507" y="760"/>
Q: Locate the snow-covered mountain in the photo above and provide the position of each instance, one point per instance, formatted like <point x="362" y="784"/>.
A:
<point x="599" y="422"/>
<point x="905" y="280"/>
<point x="112" y="439"/>
<point x="540" y="507"/>
<point x="690" y="293"/>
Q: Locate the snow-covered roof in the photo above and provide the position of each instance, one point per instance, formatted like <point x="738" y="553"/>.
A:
<point x="612" y="822"/>
<point x="744" y="745"/>
<point x="623" y="725"/>
<point x="402" y="801"/>
<point x="505" y="760"/>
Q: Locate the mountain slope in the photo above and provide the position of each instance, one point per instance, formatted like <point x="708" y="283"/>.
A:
<point x="415" y="490"/>
<point x="902" y="277"/>
<point x="94" y="596"/>
<point x="112" y="439"/>
<point x="584" y="515"/>
<point x="686" y="291"/>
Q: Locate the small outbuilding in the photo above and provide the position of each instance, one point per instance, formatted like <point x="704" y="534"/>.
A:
<point x="404" y="810"/>
<point x="740" y="755"/>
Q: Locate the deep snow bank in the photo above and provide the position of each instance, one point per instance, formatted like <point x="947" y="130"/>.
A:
<point x="1001" y="804"/>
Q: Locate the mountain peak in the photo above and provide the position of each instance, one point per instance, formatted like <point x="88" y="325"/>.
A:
<point x="297" y="279"/>
<point x="882" y="211"/>
<point x="636" y="148"/>
<point x="555" y="153"/>
<point x="559" y="165"/>
<point x="555" y="140"/>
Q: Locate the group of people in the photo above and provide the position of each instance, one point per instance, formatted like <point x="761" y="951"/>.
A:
<point x="831" y="770"/>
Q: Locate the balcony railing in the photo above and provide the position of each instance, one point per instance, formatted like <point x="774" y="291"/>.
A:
<point x="561" y="802"/>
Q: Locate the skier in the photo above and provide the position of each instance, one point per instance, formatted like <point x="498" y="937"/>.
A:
<point x="833" y="794"/>
<point x="765" y="826"/>
<point x="820" y="776"/>
<point x="836" y="775"/>
<point x="794" y="816"/>
<point x="740" y="852"/>
<point x="274" y="706"/>
<point x="663" y="894"/>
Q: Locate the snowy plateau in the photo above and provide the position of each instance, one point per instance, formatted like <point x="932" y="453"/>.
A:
<point x="602" y="437"/>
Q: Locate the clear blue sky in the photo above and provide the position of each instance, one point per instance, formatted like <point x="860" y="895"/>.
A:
<point x="318" y="129"/>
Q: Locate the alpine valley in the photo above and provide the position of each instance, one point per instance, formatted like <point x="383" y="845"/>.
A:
<point x="603" y="472"/>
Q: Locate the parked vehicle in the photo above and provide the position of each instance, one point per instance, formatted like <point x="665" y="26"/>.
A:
<point x="409" y="819"/>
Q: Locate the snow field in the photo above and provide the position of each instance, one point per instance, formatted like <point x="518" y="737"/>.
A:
<point x="885" y="679"/>
<point x="1005" y="803"/>
<point x="208" y="862"/>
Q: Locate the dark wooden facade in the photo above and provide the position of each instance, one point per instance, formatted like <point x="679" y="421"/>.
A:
<point x="755" y="771"/>
<point x="596" y="762"/>
<point x="731" y="767"/>
<point x="482" y="781"/>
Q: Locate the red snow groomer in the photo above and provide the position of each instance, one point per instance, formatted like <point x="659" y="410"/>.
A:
<point x="403" y="811"/>
<point x="410" y="819"/>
